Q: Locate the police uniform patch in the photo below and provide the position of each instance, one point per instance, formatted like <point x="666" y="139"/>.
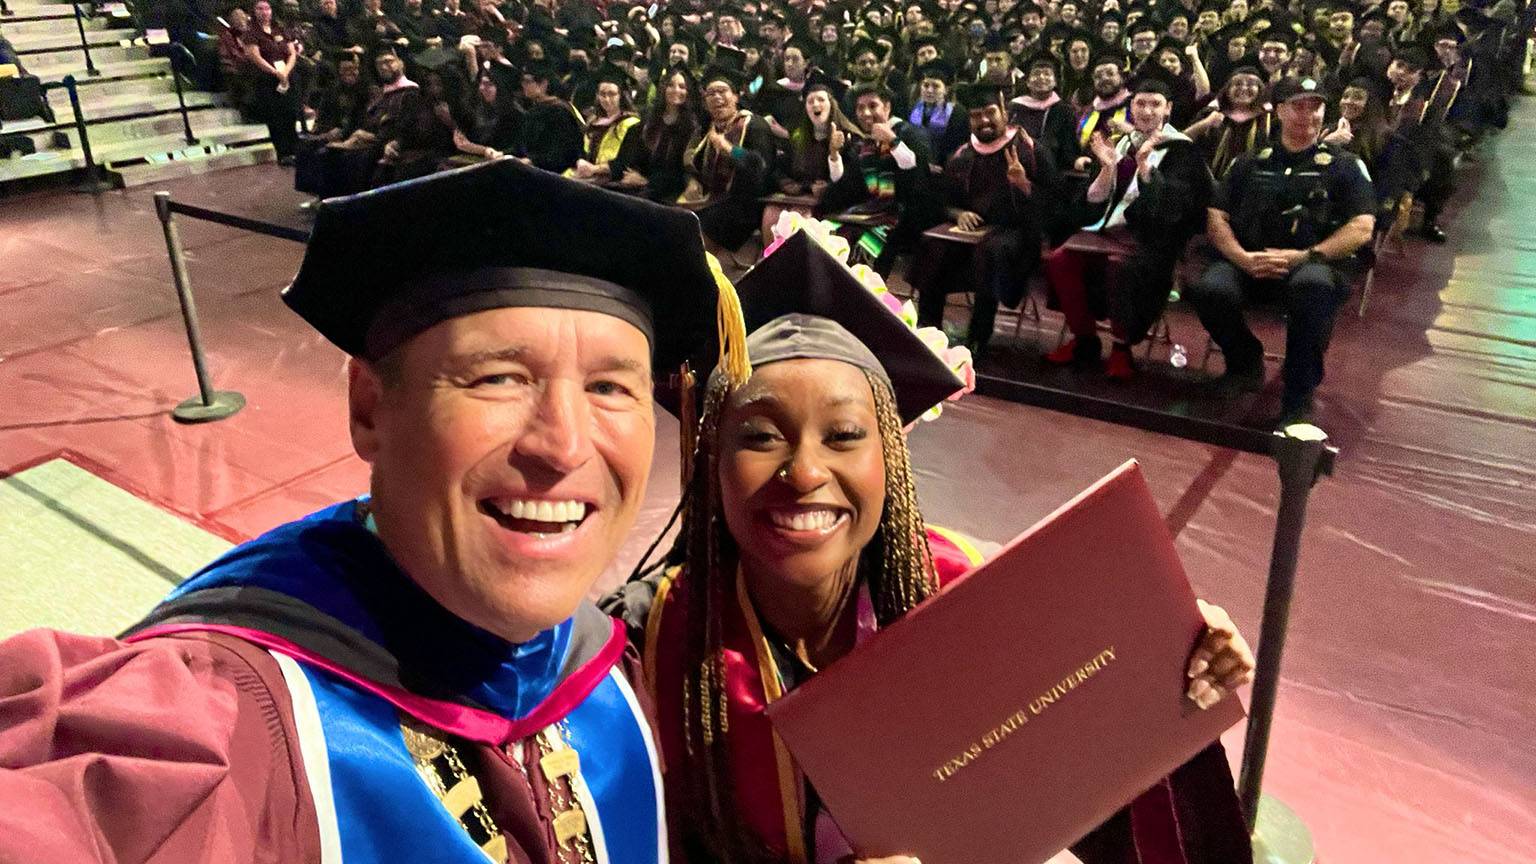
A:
<point x="1323" y="158"/>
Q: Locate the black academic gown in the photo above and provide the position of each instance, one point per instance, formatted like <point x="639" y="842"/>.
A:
<point x="916" y="204"/>
<point x="734" y="183"/>
<point x="1169" y="210"/>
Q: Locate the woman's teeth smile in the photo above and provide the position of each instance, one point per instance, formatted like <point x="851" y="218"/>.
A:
<point x="821" y="520"/>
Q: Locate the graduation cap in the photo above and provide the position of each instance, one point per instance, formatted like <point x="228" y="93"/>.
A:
<point x="1054" y="31"/>
<point x="1282" y="35"/>
<point x="1226" y="34"/>
<point x="1248" y="64"/>
<point x="980" y="94"/>
<point x="615" y="75"/>
<point x="868" y="45"/>
<point x="800" y="303"/>
<point x="819" y="80"/>
<point x="1043" y="58"/>
<point x="1413" y="57"/>
<point x="929" y="39"/>
<point x="1107" y="57"/>
<point x="385" y="265"/>
<point x="803" y="45"/>
<point x="940" y="69"/>
<point x="729" y="66"/>
<point x="1144" y="25"/>
<point x="437" y="58"/>
<point x="1153" y="78"/>
<point x="1449" y="31"/>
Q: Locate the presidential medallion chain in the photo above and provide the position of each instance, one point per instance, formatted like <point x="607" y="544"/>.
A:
<point x="561" y="767"/>
<point x="441" y="767"/>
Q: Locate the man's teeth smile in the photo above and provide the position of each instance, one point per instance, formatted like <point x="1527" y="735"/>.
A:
<point x="823" y="519"/>
<point x="536" y="516"/>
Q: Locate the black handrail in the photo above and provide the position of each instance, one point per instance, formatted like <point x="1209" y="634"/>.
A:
<point x="178" y="51"/>
<point x="90" y="65"/>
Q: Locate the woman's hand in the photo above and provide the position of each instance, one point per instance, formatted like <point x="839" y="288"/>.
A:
<point x="1223" y="661"/>
<point x="835" y="140"/>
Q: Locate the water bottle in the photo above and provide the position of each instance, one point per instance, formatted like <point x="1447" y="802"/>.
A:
<point x="1177" y="357"/>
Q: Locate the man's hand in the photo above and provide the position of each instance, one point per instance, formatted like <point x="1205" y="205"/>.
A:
<point x="718" y="140"/>
<point x="1258" y="265"/>
<point x="584" y="169"/>
<point x="1286" y="260"/>
<point x="632" y="178"/>
<point x="882" y="132"/>
<point x="1103" y="151"/>
<point x="1082" y="163"/>
<point x="392" y="151"/>
<point x="1144" y="155"/>
<point x="1017" y="177"/>
<point x="968" y="221"/>
<point x="1342" y="136"/>
<point x="1222" y="662"/>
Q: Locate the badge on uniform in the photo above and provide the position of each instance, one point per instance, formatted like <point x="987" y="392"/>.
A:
<point x="1323" y="158"/>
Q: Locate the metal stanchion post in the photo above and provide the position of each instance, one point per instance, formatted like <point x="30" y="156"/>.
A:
<point x="209" y="404"/>
<point x="1279" y="836"/>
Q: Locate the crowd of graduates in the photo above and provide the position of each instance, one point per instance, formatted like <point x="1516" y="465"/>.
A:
<point x="1008" y="121"/>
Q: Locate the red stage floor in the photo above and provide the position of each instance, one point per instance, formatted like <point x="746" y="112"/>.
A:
<point x="1404" y="730"/>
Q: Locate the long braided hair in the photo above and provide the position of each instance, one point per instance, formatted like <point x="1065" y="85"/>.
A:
<point x="896" y="564"/>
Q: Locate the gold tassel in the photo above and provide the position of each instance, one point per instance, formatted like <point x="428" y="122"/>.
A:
<point x="688" y="422"/>
<point x="732" y="328"/>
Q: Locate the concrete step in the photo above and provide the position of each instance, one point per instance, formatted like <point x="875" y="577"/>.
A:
<point x="66" y="39"/>
<point x="140" y="65"/>
<point x="140" y="149"/>
<point x="45" y="65"/>
<point x="37" y="165"/>
<point x="102" y="87"/>
<point x="19" y="29"/>
<point x="23" y="11"/>
<point x="219" y="158"/>
<point x="113" y="132"/>
<point x="152" y="96"/>
<point x="128" y="154"/>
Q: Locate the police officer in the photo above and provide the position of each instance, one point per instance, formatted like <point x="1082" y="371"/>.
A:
<point x="1286" y="221"/>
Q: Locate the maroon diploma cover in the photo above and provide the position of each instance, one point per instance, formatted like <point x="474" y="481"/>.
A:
<point x="1007" y="717"/>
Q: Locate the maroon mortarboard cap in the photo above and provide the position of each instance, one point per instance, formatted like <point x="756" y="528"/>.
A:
<point x="802" y="303"/>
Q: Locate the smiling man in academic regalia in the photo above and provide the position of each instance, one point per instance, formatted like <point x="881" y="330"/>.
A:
<point x="412" y="675"/>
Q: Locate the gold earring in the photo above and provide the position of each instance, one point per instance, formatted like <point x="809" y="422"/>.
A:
<point x="783" y="473"/>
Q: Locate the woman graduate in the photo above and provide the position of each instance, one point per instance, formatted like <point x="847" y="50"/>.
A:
<point x="802" y="537"/>
<point x="612" y="121"/>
